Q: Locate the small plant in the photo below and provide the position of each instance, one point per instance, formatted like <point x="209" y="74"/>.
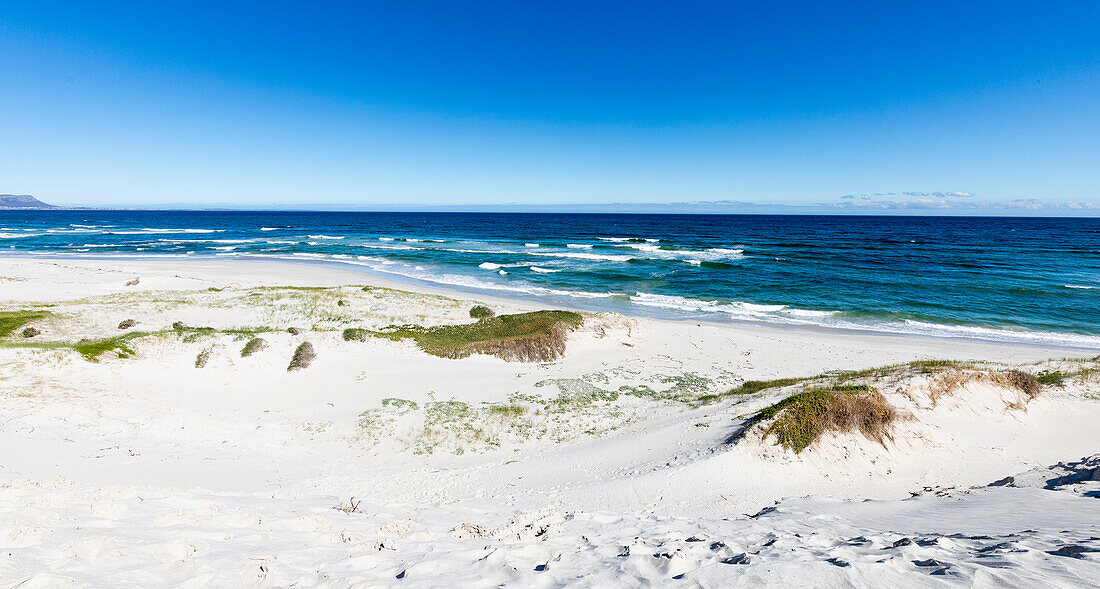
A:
<point x="1054" y="378"/>
<point x="341" y="303"/>
<point x="127" y="324"/>
<point x="179" y="326"/>
<point x="203" y="358"/>
<point x="30" y="332"/>
<point x="481" y="312"/>
<point x="354" y="334"/>
<point x="303" y="357"/>
<point x="293" y="330"/>
<point x="254" y="345"/>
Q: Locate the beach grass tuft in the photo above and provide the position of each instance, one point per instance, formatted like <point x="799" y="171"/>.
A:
<point x="254" y="345"/>
<point x="303" y="357"/>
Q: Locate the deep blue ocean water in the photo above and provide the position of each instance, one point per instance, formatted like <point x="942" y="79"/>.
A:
<point x="1009" y="279"/>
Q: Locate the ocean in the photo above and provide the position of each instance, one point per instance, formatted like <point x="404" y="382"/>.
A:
<point x="1026" y="280"/>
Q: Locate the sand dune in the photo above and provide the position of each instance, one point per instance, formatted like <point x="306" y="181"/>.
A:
<point x="617" y="465"/>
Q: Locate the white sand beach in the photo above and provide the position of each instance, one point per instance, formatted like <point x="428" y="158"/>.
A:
<point x="159" y="454"/>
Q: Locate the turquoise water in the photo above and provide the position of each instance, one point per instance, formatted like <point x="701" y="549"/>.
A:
<point x="1003" y="279"/>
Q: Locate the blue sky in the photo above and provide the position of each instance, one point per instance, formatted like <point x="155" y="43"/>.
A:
<point x="801" y="106"/>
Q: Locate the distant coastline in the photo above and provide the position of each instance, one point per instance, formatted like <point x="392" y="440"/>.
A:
<point x="22" y="201"/>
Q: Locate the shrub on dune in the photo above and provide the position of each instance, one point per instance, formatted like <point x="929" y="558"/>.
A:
<point x="801" y="418"/>
<point x="481" y="312"/>
<point x="303" y="357"/>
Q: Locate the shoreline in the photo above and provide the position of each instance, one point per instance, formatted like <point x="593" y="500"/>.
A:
<point x="400" y="282"/>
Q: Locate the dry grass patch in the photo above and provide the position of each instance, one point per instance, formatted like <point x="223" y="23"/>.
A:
<point x="947" y="382"/>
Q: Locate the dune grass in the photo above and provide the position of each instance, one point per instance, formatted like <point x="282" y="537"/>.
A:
<point x="254" y="345"/>
<point x="303" y="357"/>
<point x="11" y="321"/>
<point x="538" y="336"/>
<point x="801" y="418"/>
<point x="749" y="387"/>
<point x="92" y="349"/>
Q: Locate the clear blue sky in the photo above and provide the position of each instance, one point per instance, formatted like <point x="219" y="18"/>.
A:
<point x="449" y="103"/>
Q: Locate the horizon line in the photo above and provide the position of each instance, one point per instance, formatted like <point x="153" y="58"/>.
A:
<point x="565" y="209"/>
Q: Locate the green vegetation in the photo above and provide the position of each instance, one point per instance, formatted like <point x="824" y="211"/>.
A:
<point x="203" y="357"/>
<point x="1055" y="378"/>
<point x="355" y="334"/>
<point x="538" y="336"/>
<point x="481" y="312"/>
<point x="180" y="326"/>
<point x="401" y="405"/>
<point x="801" y="418"/>
<point x="10" y="321"/>
<point x="577" y="393"/>
<point x="914" y="367"/>
<point x="29" y="332"/>
<point x="447" y="421"/>
<point x="91" y="350"/>
<point x="509" y="411"/>
<point x="254" y="345"/>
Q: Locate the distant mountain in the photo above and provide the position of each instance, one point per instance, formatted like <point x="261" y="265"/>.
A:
<point x="22" y="201"/>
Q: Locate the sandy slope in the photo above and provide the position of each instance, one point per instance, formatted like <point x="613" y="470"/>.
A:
<point x="147" y="471"/>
